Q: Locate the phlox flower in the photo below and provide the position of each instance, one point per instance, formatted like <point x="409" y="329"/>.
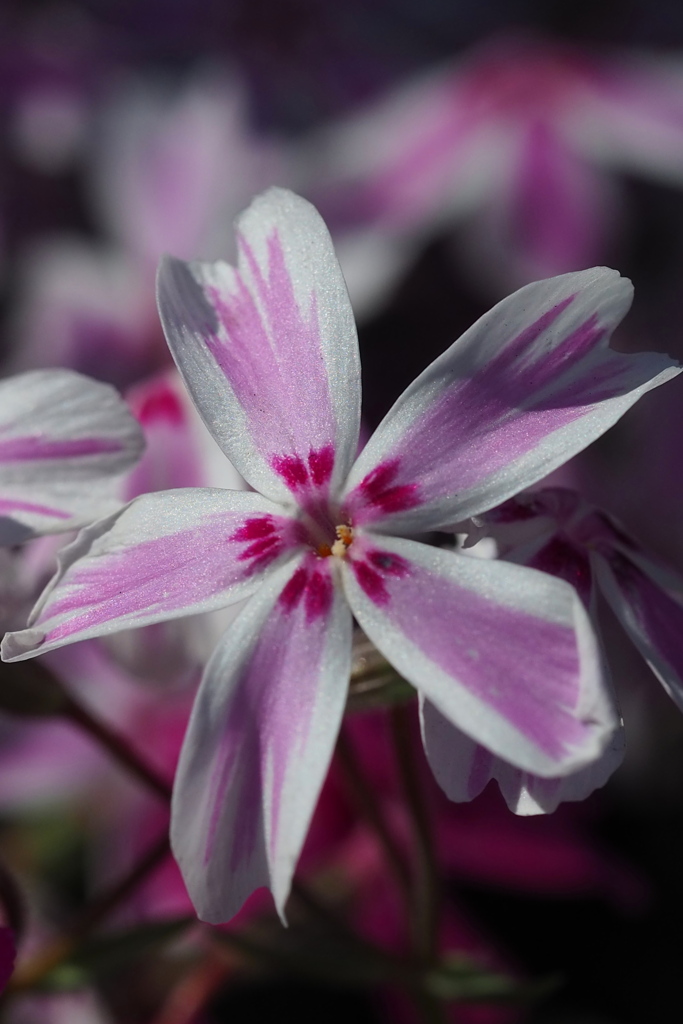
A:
<point x="558" y="532"/>
<point x="518" y="142"/>
<point x="269" y="353"/>
<point x="65" y="442"/>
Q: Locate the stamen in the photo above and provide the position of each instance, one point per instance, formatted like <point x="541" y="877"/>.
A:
<point x="339" y="548"/>
<point x="343" y="541"/>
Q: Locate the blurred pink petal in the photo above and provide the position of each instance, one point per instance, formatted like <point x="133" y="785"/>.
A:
<point x="520" y="136"/>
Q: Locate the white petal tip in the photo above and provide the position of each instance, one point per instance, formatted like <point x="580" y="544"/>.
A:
<point x="21" y="645"/>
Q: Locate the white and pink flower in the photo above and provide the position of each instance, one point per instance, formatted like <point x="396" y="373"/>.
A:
<point x="519" y="142"/>
<point x="506" y="654"/>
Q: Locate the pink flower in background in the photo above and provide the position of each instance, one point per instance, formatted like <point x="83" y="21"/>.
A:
<point x="269" y="353"/>
<point x="515" y="141"/>
<point x="172" y="167"/>
<point x="167" y="171"/>
<point x="65" y="442"/>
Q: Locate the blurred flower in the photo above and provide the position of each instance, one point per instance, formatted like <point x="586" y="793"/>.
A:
<point x="269" y="354"/>
<point x="514" y="141"/>
<point x="65" y="441"/>
<point x="168" y="171"/>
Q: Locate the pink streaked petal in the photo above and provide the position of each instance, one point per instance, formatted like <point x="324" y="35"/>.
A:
<point x="65" y="442"/>
<point x="549" y="216"/>
<point x="260" y="740"/>
<point x="650" y="611"/>
<point x="174" y="166"/>
<point x="463" y="768"/>
<point x="269" y="351"/>
<point x="411" y="158"/>
<point x="635" y="117"/>
<point x="163" y="556"/>
<point x="506" y="653"/>
<point x="525" y="388"/>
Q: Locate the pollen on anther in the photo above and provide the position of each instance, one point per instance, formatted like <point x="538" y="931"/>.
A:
<point x="343" y="541"/>
<point x="324" y="550"/>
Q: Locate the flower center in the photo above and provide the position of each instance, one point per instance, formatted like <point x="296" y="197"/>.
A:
<point x="344" y="540"/>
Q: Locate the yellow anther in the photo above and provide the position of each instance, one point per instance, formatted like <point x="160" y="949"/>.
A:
<point x="344" y="534"/>
<point x="343" y="541"/>
<point x="338" y="548"/>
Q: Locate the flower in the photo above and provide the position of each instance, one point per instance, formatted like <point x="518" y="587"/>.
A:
<point x="269" y="353"/>
<point x="65" y="442"/>
<point x="556" y="531"/>
<point x="517" y="141"/>
<point x="169" y="170"/>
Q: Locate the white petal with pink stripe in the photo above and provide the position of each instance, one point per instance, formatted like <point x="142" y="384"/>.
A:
<point x="164" y="555"/>
<point x="504" y="652"/>
<point x="463" y="768"/>
<point x="260" y="740"/>
<point x="526" y="387"/>
<point x="269" y="350"/>
<point x="65" y="442"/>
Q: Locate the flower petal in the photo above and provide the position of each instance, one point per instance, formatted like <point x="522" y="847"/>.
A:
<point x="650" y="611"/>
<point x="260" y="740"/>
<point x="635" y="116"/>
<point x="463" y="768"/>
<point x="269" y="350"/>
<point x="65" y="441"/>
<point x="504" y="652"/>
<point x="549" y="215"/>
<point x="529" y="385"/>
<point x="180" y="452"/>
<point x="164" y="555"/>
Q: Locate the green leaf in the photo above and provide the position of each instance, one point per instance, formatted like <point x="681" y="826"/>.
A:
<point x="458" y="979"/>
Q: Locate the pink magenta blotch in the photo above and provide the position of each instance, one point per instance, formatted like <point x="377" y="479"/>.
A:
<point x="162" y="404"/>
<point x="313" y="584"/>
